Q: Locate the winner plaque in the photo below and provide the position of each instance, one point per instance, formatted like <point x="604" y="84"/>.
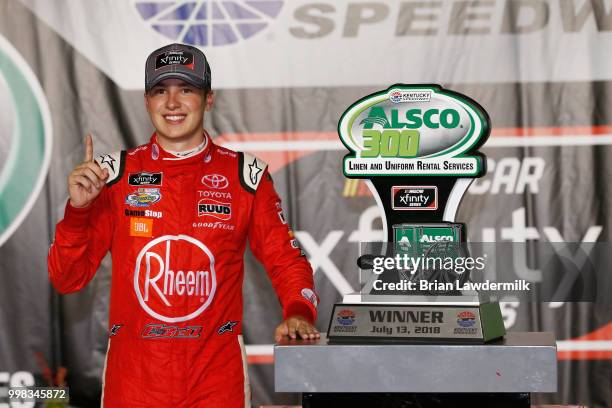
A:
<point x="417" y="147"/>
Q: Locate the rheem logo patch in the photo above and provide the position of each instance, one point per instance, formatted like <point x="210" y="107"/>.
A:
<point x="174" y="278"/>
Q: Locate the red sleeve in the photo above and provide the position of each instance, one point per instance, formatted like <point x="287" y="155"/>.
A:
<point x="82" y="239"/>
<point x="274" y="245"/>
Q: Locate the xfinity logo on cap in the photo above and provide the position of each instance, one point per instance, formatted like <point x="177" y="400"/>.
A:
<point x="174" y="58"/>
<point x="206" y="23"/>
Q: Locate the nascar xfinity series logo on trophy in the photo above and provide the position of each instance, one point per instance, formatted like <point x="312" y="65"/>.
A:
<point x="414" y="129"/>
<point x="167" y="286"/>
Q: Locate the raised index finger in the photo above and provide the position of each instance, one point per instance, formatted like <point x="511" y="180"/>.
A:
<point x="88" y="148"/>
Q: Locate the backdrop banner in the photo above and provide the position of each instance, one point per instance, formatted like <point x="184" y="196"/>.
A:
<point x="284" y="71"/>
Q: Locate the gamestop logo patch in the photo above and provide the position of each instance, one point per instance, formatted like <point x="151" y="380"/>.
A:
<point x="207" y="207"/>
<point x="411" y="198"/>
<point x="174" y="278"/>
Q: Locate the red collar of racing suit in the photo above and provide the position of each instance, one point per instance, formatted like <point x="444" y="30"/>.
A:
<point x="158" y="152"/>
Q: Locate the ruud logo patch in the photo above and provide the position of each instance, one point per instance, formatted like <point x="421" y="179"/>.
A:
<point x="408" y="198"/>
<point x="213" y="208"/>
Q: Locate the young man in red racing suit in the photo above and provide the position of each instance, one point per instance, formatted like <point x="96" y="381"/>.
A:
<point x="175" y="214"/>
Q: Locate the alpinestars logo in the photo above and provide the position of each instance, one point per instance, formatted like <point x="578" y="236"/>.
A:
<point x="115" y="329"/>
<point x="208" y="22"/>
<point x="227" y="327"/>
<point x="108" y="159"/>
<point x="254" y="171"/>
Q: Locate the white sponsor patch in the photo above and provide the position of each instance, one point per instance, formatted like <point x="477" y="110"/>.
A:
<point x="309" y="295"/>
<point x="252" y="171"/>
<point x="166" y="287"/>
<point x="111" y="162"/>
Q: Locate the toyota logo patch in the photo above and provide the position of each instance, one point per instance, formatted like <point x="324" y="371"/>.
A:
<point x="216" y="181"/>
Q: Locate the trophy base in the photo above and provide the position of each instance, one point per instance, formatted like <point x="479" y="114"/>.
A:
<point x="462" y="319"/>
<point x="464" y="298"/>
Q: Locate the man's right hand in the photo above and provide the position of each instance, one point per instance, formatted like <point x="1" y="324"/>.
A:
<point x="87" y="180"/>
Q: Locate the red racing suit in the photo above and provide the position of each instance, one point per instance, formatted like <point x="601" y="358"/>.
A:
<point x="177" y="230"/>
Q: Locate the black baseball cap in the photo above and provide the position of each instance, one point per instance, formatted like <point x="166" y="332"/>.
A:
<point x="177" y="61"/>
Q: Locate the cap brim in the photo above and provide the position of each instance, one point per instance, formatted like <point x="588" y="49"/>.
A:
<point x="176" y="75"/>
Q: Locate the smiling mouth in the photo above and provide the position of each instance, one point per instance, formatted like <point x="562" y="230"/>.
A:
<point x="174" y="119"/>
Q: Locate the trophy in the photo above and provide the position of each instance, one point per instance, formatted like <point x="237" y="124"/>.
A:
<point x="417" y="147"/>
